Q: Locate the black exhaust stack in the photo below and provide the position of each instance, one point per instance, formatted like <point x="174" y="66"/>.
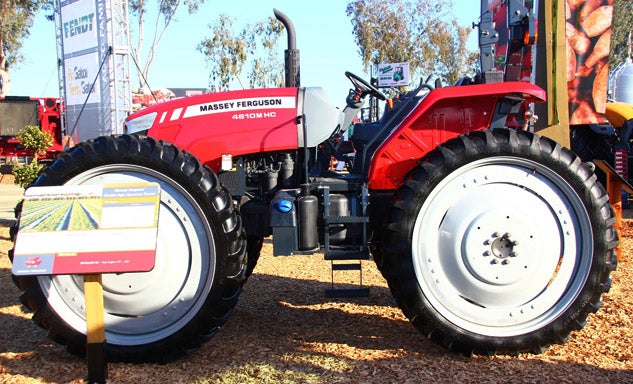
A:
<point x="292" y="53"/>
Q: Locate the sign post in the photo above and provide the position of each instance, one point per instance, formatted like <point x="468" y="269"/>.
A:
<point x="95" y="329"/>
<point x="88" y="230"/>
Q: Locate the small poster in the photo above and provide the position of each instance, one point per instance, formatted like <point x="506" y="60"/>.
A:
<point x="87" y="229"/>
<point x="81" y="72"/>
<point x="393" y="75"/>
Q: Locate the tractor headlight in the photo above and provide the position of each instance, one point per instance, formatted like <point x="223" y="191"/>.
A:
<point x="140" y="124"/>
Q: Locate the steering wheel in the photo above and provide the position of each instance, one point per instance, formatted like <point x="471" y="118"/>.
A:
<point x="364" y="87"/>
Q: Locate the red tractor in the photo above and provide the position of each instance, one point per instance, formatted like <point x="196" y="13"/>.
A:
<point x="16" y="112"/>
<point x="492" y="238"/>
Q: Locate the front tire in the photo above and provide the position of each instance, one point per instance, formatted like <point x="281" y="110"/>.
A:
<point x="499" y="242"/>
<point x="200" y="263"/>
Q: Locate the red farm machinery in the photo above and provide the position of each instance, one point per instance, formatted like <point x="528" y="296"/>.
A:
<point x="492" y="238"/>
<point x="16" y="112"/>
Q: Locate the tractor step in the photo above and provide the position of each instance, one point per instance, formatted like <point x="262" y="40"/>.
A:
<point x="346" y="219"/>
<point x="341" y="292"/>
<point x="358" y="252"/>
<point x="347" y="292"/>
<point x="355" y="253"/>
<point x="347" y="267"/>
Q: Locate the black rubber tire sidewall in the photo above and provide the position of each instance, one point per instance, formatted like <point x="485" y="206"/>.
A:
<point x="213" y="200"/>
<point x="397" y="264"/>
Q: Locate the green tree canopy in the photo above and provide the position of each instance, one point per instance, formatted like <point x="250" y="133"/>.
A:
<point x="622" y="26"/>
<point x="420" y="32"/>
<point x="256" y="45"/>
<point x="36" y="141"/>
<point x="16" y="18"/>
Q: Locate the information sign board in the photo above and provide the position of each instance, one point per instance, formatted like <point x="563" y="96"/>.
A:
<point x="87" y="229"/>
<point x="393" y="75"/>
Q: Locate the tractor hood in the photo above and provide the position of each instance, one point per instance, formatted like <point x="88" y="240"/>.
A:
<point x="240" y="122"/>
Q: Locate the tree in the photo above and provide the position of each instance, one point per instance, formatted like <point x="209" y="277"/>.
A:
<point x="452" y="60"/>
<point x="265" y="71"/>
<point x="621" y="27"/>
<point x="166" y="12"/>
<point x="16" y="18"/>
<point x="224" y="52"/>
<point x="36" y="141"/>
<point x="420" y="32"/>
<point x="227" y="53"/>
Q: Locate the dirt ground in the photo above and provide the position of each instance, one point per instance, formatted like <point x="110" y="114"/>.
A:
<point x="284" y="330"/>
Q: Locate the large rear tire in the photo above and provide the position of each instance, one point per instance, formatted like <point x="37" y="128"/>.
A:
<point x="200" y="263"/>
<point x="499" y="242"/>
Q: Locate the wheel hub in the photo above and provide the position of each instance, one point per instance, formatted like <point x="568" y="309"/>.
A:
<point x="492" y="254"/>
<point x="501" y="247"/>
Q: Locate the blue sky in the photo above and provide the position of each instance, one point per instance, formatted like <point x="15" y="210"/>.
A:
<point x="324" y="38"/>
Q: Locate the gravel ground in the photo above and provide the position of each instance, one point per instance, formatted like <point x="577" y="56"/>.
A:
<point x="285" y="330"/>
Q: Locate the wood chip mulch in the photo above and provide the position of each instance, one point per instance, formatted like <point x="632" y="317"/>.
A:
<point x="284" y="329"/>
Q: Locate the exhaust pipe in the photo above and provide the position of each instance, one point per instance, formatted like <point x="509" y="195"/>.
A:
<point x="291" y="56"/>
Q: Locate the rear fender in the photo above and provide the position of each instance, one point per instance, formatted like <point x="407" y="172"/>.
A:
<point x="444" y="114"/>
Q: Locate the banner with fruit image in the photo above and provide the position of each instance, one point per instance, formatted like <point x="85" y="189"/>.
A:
<point x="588" y="32"/>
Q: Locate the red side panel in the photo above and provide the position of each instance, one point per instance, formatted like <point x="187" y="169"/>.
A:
<point x="236" y="122"/>
<point x="16" y="112"/>
<point x="444" y="114"/>
<point x="50" y="121"/>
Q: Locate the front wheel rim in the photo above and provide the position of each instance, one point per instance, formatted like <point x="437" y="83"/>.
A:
<point x="502" y="246"/>
<point x="141" y="308"/>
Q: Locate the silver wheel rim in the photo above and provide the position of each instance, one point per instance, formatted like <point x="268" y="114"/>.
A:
<point x="141" y="308"/>
<point x="502" y="246"/>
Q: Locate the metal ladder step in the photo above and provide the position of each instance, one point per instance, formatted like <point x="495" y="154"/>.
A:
<point x="355" y="253"/>
<point x="347" y="292"/>
<point x="342" y="292"/>
<point x="346" y="219"/>
<point x="347" y="267"/>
